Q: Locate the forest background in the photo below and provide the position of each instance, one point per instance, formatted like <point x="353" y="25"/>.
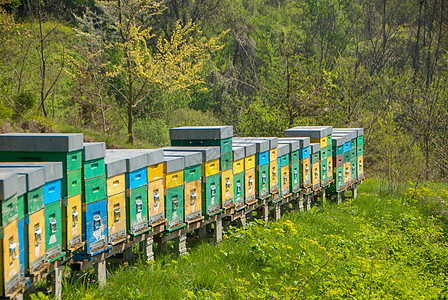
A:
<point x="126" y="71"/>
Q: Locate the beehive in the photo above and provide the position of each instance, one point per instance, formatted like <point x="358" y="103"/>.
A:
<point x="283" y="152"/>
<point x="249" y="183"/>
<point x="294" y="163"/>
<point x="193" y="184"/>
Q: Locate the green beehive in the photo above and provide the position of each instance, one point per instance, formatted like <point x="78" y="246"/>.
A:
<point x="174" y="207"/>
<point x="53" y="231"/>
<point x="137" y="210"/>
<point x="94" y="184"/>
<point x="211" y="195"/>
<point x="294" y="165"/>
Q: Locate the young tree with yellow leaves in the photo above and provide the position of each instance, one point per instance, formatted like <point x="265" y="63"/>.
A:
<point x="173" y="64"/>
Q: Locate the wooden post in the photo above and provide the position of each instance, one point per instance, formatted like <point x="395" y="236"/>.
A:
<point x="218" y="230"/>
<point x="57" y="283"/>
<point x="266" y="213"/>
<point x="181" y="244"/>
<point x="100" y="270"/>
<point x="243" y="221"/>
<point x="278" y="212"/>
<point x="309" y="199"/>
<point x="340" y="197"/>
<point x="355" y="192"/>
<point x="324" y="197"/>
<point x="147" y="246"/>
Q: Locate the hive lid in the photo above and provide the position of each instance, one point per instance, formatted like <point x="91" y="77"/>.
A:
<point x="260" y="145"/>
<point x="201" y="132"/>
<point x="208" y="153"/>
<point x="52" y="170"/>
<point x="314" y="132"/>
<point x="359" y="131"/>
<point x="21" y="185"/>
<point x="339" y="140"/>
<point x="34" y="177"/>
<point x="8" y="184"/>
<point x="293" y="144"/>
<point x="115" y="165"/>
<point x="190" y="158"/>
<point x="154" y="156"/>
<point x="350" y="134"/>
<point x="41" y="142"/>
<point x="303" y="141"/>
<point x="282" y="149"/>
<point x="315" y="147"/>
<point x="94" y="151"/>
<point x="173" y="163"/>
<point x="273" y="141"/>
<point x="249" y="148"/>
<point x="135" y="160"/>
<point x="238" y="152"/>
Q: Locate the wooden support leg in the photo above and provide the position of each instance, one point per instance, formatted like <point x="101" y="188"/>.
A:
<point x="57" y="283"/>
<point x="218" y="230"/>
<point x="100" y="270"/>
<point x="301" y="202"/>
<point x="324" y="197"/>
<point x="147" y="246"/>
<point x="265" y="213"/>
<point x="355" y="192"/>
<point x="181" y="244"/>
<point x="18" y="297"/>
<point x="243" y="222"/>
<point x="309" y="199"/>
<point x="339" y="197"/>
<point x="278" y="212"/>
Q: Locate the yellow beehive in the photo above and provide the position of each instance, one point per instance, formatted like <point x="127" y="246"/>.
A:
<point x="347" y="174"/>
<point x="193" y="201"/>
<point x="249" y="162"/>
<point x="249" y="185"/>
<point x="330" y="167"/>
<point x="360" y="166"/>
<point x="305" y="172"/>
<point x="35" y="234"/>
<point x="210" y="168"/>
<point x="155" y="172"/>
<point x="322" y="141"/>
<point x="10" y="262"/>
<point x="73" y="214"/>
<point x="316" y="174"/>
<point x="238" y="166"/>
<point x="285" y="180"/>
<point x="116" y="213"/>
<point x="227" y="188"/>
<point x="156" y="202"/>
<point x="174" y="179"/>
<point x="273" y="176"/>
<point x="273" y="154"/>
<point x="116" y="184"/>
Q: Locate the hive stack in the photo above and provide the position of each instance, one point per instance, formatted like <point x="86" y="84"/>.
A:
<point x="193" y="184"/>
<point x="294" y="163"/>
<point x="156" y="189"/>
<point x="338" y="143"/>
<point x="249" y="171"/>
<point x="210" y="177"/>
<point x="10" y="276"/>
<point x="321" y="135"/>
<point x="136" y="178"/>
<point x="356" y="151"/>
<point x="173" y="172"/>
<point x="219" y="136"/>
<point x="261" y="165"/>
<point x="238" y="176"/>
<point x="65" y="148"/>
<point x="349" y="139"/>
<point x="116" y="198"/>
<point x="283" y="152"/>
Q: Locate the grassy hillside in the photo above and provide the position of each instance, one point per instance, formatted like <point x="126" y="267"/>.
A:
<point x="378" y="246"/>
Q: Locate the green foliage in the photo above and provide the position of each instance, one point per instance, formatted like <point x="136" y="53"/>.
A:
<point x="376" y="247"/>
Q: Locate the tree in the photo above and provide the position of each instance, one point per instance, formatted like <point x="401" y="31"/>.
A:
<point x="137" y="70"/>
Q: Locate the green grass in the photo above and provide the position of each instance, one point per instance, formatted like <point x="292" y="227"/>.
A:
<point x="378" y="246"/>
